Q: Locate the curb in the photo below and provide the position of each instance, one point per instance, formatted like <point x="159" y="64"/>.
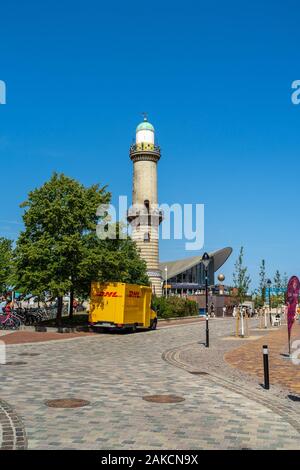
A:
<point x="54" y="329"/>
<point x="88" y="329"/>
<point x="13" y="430"/>
<point x="166" y="320"/>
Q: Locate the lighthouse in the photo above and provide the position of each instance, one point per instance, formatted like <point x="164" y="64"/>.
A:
<point x="144" y="214"/>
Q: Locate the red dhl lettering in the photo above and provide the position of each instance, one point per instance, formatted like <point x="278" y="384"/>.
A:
<point x="106" y="294"/>
<point x="133" y="293"/>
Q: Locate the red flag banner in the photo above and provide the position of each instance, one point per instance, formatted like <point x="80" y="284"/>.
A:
<point x="292" y="295"/>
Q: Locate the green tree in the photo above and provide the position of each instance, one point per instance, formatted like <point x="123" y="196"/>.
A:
<point x="262" y="281"/>
<point x="284" y="284"/>
<point x="241" y="279"/>
<point x="110" y="260"/>
<point x="59" y="252"/>
<point x="285" y="281"/>
<point x="6" y="255"/>
<point x="277" y="281"/>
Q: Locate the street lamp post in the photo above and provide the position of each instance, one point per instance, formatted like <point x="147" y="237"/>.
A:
<point x="206" y="261"/>
<point x="166" y="281"/>
<point x="269" y="283"/>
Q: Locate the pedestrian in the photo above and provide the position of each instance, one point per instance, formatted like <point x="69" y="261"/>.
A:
<point x="75" y="305"/>
<point x="8" y="307"/>
<point x="2" y="305"/>
<point x="224" y="311"/>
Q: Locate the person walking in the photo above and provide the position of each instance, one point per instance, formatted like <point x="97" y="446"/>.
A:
<point x="75" y="305"/>
<point x="8" y="307"/>
<point x="224" y="311"/>
<point x="2" y="305"/>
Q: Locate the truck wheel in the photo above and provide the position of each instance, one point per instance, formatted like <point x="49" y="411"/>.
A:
<point x="153" y="325"/>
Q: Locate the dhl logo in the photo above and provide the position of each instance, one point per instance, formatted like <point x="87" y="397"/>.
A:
<point x="107" y="294"/>
<point x="133" y="293"/>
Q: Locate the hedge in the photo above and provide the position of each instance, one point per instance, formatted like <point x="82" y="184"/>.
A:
<point x="174" y="307"/>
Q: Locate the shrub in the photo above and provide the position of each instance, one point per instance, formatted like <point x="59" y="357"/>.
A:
<point x="174" y="307"/>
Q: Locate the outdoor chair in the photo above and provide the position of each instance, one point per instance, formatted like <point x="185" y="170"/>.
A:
<point x="276" y="319"/>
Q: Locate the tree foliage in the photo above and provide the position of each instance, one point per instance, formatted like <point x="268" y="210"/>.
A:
<point x="110" y="260"/>
<point x="284" y="282"/>
<point x="241" y="279"/>
<point x="280" y="286"/>
<point x="6" y="253"/>
<point x="262" y="281"/>
<point x="277" y="281"/>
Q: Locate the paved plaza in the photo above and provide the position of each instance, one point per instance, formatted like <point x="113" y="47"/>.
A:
<point x="284" y="371"/>
<point x="113" y="372"/>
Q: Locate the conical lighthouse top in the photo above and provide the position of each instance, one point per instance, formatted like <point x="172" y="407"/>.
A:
<point x="145" y="132"/>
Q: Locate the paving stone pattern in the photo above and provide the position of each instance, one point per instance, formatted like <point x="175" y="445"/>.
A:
<point x="114" y="372"/>
<point x="12" y="432"/>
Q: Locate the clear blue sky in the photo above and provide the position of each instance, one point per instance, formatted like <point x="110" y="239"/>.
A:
<point x="215" y="78"/>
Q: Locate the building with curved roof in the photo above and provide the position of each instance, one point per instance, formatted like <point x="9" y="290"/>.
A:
<point x="188" y="275"/>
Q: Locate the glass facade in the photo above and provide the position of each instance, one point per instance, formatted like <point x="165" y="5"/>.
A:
<point x="192" y="278"/>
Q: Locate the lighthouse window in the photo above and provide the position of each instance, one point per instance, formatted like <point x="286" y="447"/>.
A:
<point x="147" y="237"/>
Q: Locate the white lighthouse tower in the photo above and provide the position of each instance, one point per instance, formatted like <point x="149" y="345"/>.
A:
<point x="144" y="215"/>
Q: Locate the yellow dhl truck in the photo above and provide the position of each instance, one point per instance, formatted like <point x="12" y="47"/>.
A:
<point x="122" y="306"/>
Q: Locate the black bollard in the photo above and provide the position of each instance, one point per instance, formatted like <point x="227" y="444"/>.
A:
<point x="207" y="333"/>
<point x="266" y="367"/>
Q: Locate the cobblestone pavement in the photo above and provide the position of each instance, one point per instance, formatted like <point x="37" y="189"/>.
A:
<point x="114" y="372"/>
<point x="245" y="376"/>
<point x="282" y="370"/>
<point x="12" y="432"/>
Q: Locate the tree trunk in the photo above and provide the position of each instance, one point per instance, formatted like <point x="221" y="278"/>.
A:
<point x="59" y="311"/>
<point x="71" y="304"/>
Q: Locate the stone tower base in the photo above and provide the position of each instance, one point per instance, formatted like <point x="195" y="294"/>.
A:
<point x="155" y="284"/>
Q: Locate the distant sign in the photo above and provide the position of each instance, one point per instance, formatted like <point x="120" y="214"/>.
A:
<point x="275" y="290"/>
<point x="2" y="92"/>
<point x="292" y="296"/>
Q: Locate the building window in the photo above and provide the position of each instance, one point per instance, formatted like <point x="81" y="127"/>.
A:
<point x="147" y="237"/>
<point x="147" y="204"/>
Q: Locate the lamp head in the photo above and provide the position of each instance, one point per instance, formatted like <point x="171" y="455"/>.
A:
<point x="206" y="260"/>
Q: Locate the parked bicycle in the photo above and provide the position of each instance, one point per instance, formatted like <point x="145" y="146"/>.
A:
<point x="34" y="316"/>
<point x="9" y="321"/>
